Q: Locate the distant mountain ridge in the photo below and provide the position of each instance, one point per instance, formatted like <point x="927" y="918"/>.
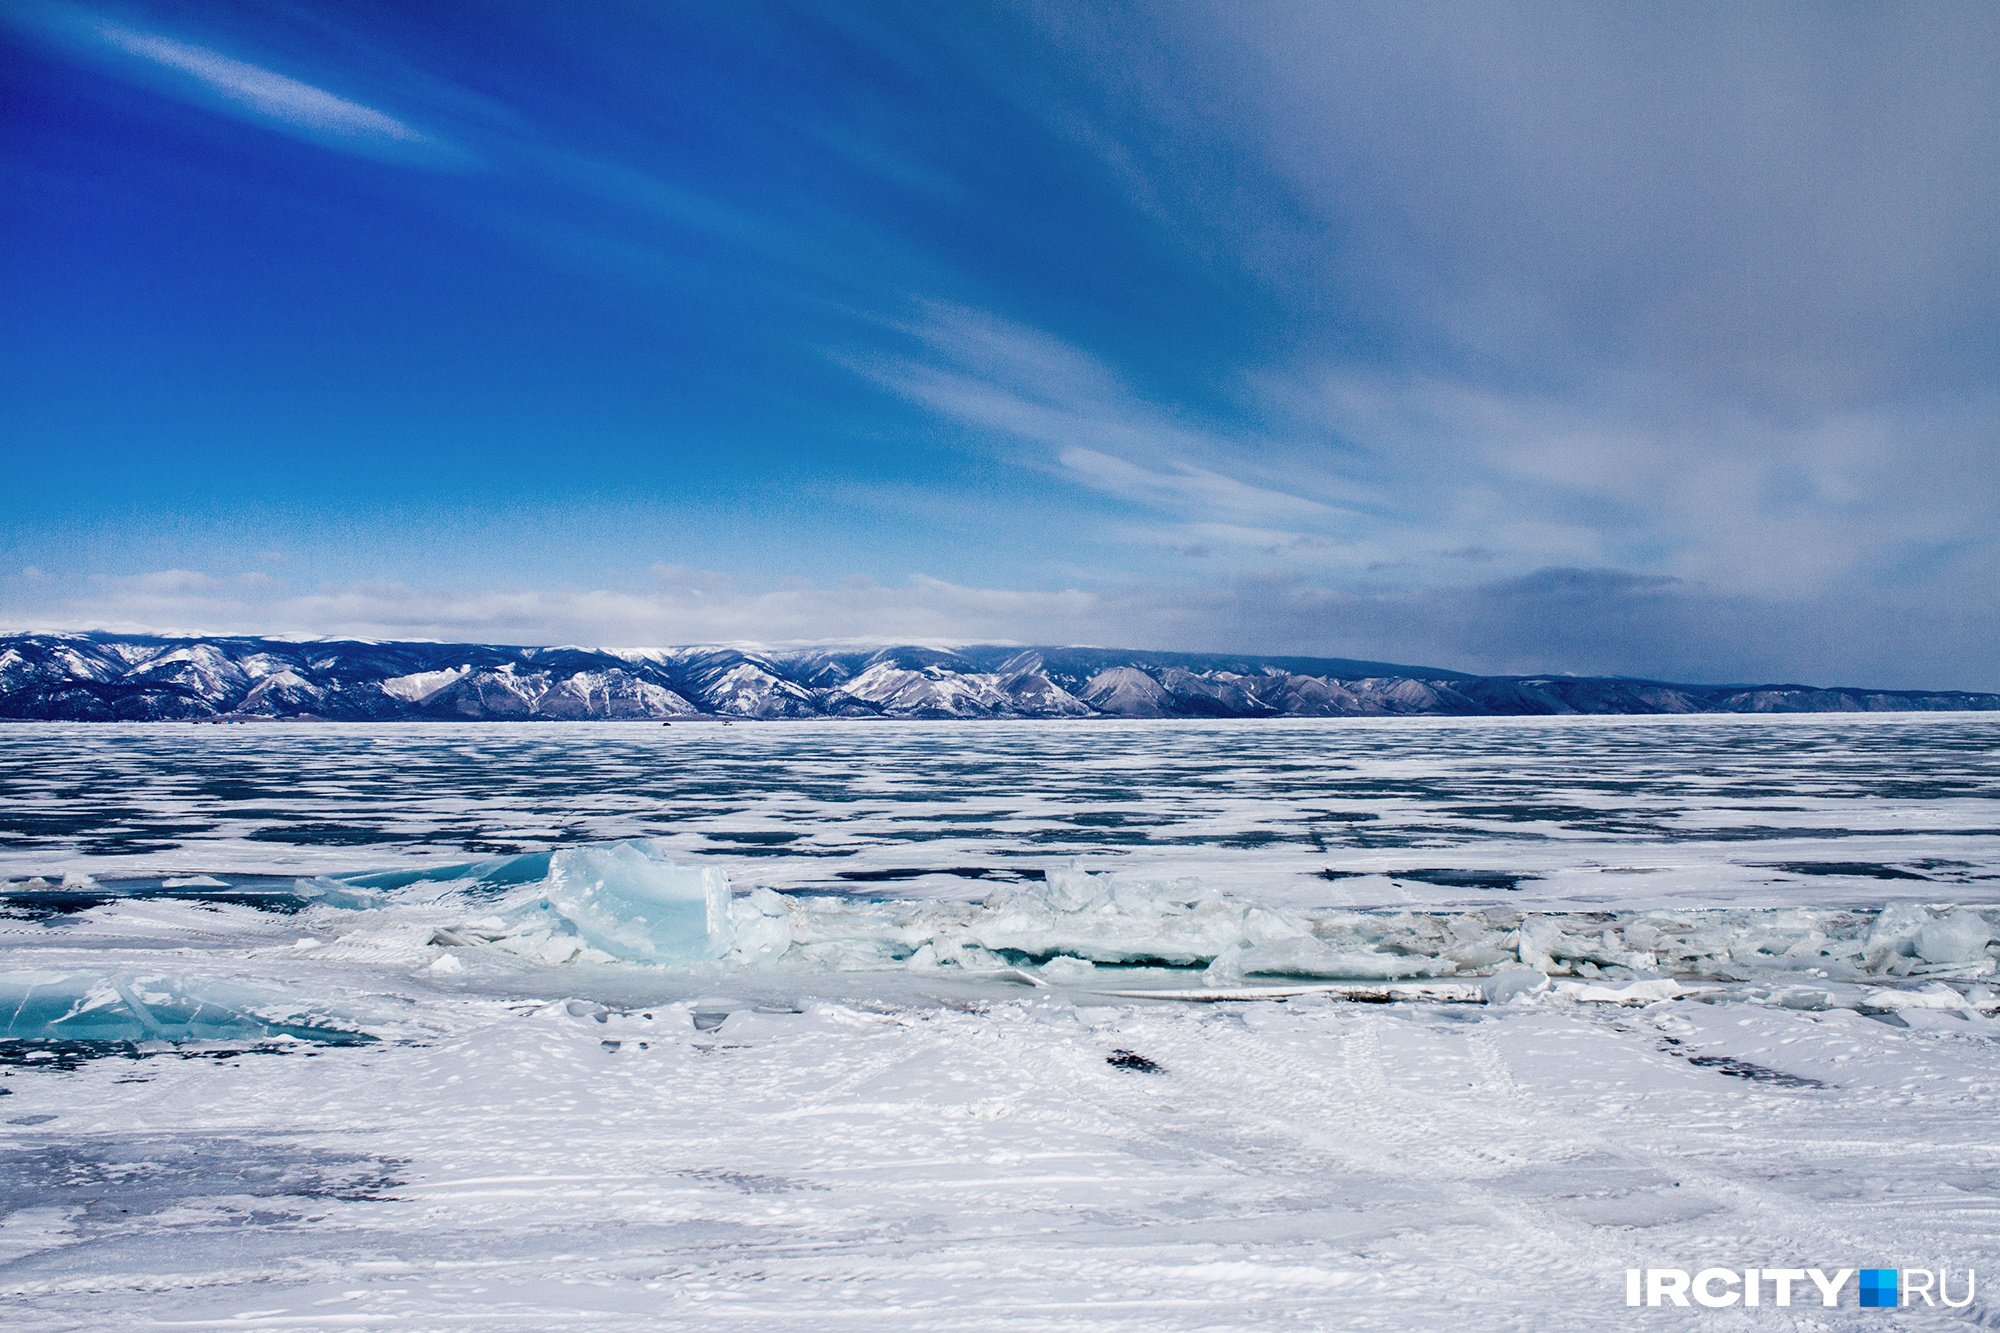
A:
<point x="107" y="677"/>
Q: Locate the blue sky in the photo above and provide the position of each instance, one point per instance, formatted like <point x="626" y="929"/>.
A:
<point x="1595" y="338"/>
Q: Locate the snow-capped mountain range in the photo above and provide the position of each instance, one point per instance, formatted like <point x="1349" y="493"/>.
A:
<point x="105" y="677"/>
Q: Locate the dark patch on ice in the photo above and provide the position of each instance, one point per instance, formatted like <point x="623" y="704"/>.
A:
<point x="32" y="1119"/>
<point x="1438" y="835"/>
<point x="1134" y="1061"/>
<point x="1858" y="869"/>
<point x="1756" y="1073"/>
<point x="110" y="1176"/>
<point x="121" y="844"/>
<point x="42" y="904"/>
<point x="1643" y="828"/>
<point x="1466" y="879"/>
<point x="927" y="817"/>
<point x="1768" y="832"/>
<point x="326" y="835"/>
<point x="753" y="849"/>
<point x="1105" y="835"/>
<point x="1743" y="1069"/>
<point x="749" y="1183"/>
<point x="1255" y="838"/>
<point x="1524" y="813"/>
<point x="961" y="872"/>
<point x="66" y="1054"/>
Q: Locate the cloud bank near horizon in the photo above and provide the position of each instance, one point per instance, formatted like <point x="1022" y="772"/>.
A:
<point x="1584" y="622"/>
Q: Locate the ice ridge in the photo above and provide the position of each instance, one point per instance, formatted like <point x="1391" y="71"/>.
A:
<point x="628" y="903"/>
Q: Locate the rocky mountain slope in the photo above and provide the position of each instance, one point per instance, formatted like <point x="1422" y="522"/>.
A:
<point x="102" y="677"/>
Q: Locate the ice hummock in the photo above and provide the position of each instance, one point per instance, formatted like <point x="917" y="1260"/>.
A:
<point x="628" y="902"/>
<point x="1071" y="922"/>
<point x="623" y="901"/>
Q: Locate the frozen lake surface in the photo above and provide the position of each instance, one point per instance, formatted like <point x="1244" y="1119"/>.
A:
<point x="344" y="1025"/>
<point x="1722" y="810"/>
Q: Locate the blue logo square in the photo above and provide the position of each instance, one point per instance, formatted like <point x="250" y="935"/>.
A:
<point x="1878" y="1287"/>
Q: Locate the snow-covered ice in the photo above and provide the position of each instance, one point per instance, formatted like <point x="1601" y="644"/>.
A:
<point x="467" y="1027"/>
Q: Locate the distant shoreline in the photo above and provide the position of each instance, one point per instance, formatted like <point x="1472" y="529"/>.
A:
<point x="226" y="679"/>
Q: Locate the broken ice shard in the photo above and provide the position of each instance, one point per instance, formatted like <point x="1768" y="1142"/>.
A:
<point x="631" y="902"/>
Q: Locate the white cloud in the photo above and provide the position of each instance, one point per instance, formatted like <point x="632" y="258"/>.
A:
<point x="163" y="582"/>
<point x="1636" y="475"/>
<point x="693" y="607"/>
<point x="686" y="606"/>
<point x="1054" y="407"/>
<point x="1376" y="475"/>
<point x="1193" y="490"/>
<point x="1588" y="284"/>
<point x="208" y="78"/>
<point x="259" y="90"/>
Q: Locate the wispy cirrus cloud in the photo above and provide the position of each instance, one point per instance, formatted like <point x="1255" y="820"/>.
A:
<point x="1387" y="477"/>
<point x="289" y="102"/>
<point x="1057" y="408"/>
<point x="1194" y="490"/>
<point x="198" y="74"/>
